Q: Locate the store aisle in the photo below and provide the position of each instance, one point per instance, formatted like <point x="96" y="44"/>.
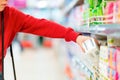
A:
<point x="39" y="64"/>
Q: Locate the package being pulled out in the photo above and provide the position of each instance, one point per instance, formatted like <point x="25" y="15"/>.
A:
<point x="91" y="48"/>
<point x="92" y="56"/>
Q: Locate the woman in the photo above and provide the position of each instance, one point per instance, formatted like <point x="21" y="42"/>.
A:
<point x="16" y="21"/>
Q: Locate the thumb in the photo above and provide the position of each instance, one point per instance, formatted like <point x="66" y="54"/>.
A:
<point x="80" y="39"/>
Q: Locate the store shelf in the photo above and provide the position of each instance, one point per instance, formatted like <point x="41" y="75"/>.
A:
<point x="91" y="66"/>
<point x="105" y="27"/>
<point x="82" y="61"/>
<point x="101" y="29"/>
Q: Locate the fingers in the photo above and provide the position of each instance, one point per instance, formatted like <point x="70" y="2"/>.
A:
<point x="96" y="41"/>
<point x="80" y="39"/>
<point x="82" y="48"/>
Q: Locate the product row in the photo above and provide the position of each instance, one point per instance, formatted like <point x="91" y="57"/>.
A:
<point x="94" y="12"/>
<point x="105" y="66"/>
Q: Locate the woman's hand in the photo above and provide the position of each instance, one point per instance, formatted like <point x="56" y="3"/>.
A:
<point x="80" y="39"/>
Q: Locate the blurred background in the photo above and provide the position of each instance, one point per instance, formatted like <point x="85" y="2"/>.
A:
<point x="39" y="58"/>
<point x="43" y="58"/>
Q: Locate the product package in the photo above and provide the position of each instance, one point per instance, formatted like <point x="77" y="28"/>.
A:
<point x="118" y="11"/>
<point x="113" y="40"/>
<point x="94" y="13"/>
<point x="114" y="63"/>
<point x="118" y="62"/>
<point x="92" y="56"/>
<point x="103" y="62"/>
<point x="111" y="63"/>
<point x="108" y="12"/>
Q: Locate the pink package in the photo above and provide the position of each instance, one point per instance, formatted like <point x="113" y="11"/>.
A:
<point x="109" y="10"/>
<point x="111" y="63"/>
<point x="20" y="3"/>
<point x="114" y="63"/>
<point x="118" y="63"/>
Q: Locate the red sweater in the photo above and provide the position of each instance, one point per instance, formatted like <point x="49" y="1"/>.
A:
<point x="16" y="21"/>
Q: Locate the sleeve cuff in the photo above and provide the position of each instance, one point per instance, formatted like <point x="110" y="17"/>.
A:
<point x="71" y="35"/>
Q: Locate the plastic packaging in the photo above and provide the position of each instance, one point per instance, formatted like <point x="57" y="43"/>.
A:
<point x="91" y="47"/>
